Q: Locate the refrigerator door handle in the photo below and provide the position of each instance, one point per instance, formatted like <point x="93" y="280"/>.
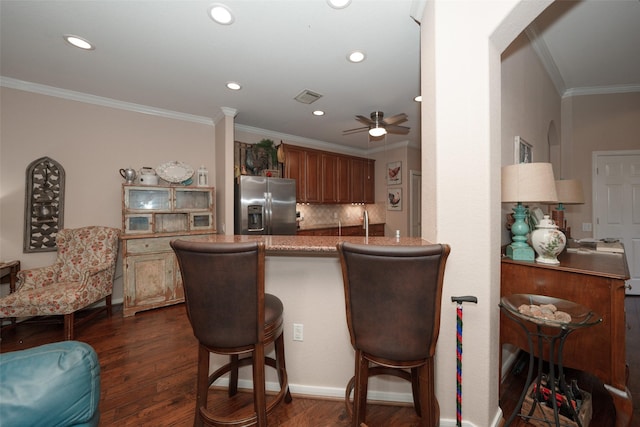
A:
<point x="268" y="211"/>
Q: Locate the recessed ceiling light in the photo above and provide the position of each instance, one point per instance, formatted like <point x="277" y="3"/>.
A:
<point x="356" y="56"/>
<point x="221" y="14"/>
<point x="318" y="113"/>
<point x="78" y="42"/>
<point x="234" y="86"/>
<point x="418" y="98"/>
<point x="339" y="4"/>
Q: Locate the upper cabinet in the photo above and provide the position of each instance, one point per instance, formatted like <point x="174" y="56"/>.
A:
<point x="324" y="177"/>
<point x="157" y="210"/>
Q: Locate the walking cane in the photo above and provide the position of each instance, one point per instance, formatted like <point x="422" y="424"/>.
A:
<point x="459" y="301"/>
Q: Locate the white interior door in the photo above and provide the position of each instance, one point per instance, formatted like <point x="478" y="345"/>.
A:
<point x="616" y="205"/>
<point x="415" y="203"/>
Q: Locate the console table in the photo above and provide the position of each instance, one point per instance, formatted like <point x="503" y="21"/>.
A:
<point x="596" y="281"/>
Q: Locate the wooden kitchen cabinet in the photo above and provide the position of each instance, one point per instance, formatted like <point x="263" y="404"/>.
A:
<point x="313" y="177"/>
<point x="343" y="186"/>
<point x="329" y="178"/>
<point x="370" y="181"/>
<point x="324" y="177"/>
<point x="295" y="168"/>
<point x="357" y="170"/>
<point x="152" y="216"/>
<point x="305" y="166"/>
<point x="596" y="281"/>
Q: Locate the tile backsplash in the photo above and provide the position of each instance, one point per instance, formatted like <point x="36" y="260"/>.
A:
<point x="347" y="214"/>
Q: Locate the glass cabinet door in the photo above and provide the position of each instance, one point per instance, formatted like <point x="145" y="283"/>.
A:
<point x="147" y="199"/>
<point x="193" y="199"/>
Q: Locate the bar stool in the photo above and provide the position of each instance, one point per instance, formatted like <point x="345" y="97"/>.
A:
<point x="392" y="297"/>
<point x="230" y="314"/>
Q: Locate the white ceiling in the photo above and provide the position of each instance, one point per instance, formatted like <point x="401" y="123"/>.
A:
<point x="169" y="56"/>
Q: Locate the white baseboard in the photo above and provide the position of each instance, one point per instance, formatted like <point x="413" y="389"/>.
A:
<point x="338" y="394"/>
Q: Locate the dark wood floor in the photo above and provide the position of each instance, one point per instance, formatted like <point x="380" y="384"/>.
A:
<point x="148" y="364"/>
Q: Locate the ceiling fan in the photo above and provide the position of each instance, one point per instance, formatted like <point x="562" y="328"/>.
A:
<point x="378" y="126"/>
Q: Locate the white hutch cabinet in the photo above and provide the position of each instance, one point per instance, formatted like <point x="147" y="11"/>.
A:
<point x="153" y="216"/>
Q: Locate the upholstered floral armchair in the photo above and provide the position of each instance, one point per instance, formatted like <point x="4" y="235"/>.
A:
<point x="82" y="275"/>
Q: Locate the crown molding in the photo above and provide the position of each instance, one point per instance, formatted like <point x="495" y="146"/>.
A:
<point x="41" y="89"/>
<point x="601" y="90"/>
<point x="99" y="100"/>
<point x="541" y="49"/>
<point x="306" y="142"/>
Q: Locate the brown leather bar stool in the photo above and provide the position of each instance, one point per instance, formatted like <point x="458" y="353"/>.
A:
<point x="393" y="296"/>
<point x="231" y="314"/>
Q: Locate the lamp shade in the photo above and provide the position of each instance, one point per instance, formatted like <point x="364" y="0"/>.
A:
<point x="528" y="182"/>
<point x="570" y="191"/>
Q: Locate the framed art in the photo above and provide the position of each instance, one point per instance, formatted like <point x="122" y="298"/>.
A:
<point x="523" y="151"/>
<point x="394" y="173"/>
<point x="394" y="199"/>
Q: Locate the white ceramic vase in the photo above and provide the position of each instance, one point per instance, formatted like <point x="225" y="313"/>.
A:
<point x="548" y="241"/>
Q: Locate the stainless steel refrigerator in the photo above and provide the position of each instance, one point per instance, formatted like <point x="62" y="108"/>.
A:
<point x="265" y="205"/>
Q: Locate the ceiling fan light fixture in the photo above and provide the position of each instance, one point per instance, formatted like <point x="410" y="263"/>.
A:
<point x="377" y="131"/>
<point x="221" y="14"/>
<point x="356" y="56"/>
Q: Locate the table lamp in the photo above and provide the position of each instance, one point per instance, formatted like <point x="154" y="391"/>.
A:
<point x="526" y="182"/>
<point x="569" y="193"/>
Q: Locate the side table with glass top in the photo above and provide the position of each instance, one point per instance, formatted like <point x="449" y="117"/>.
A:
<point x="551" y="331"/>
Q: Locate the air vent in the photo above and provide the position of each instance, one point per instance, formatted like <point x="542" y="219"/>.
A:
<point x="307" y="96"/>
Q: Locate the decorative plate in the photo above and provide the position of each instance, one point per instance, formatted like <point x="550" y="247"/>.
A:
<point x="175" y="171"/>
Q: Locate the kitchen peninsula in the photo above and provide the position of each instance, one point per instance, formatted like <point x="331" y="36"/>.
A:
<point x="304" y="272"/>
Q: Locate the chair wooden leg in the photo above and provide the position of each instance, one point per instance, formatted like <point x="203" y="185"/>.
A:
<point x="259" y="392"/>
<point x="428" y="402"/>
<point x="415" y="388"/>
<point x="108" y="304"/>
<point x="281" y="366"/>
<point x="68" y="326"/>
<point x="202" y="386"/>
<point x="360" y="392"/>
<point x="233" y="375"/>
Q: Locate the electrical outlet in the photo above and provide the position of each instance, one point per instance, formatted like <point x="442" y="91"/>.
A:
<point x="298" y="331"/>
<point x="586" y="226"/>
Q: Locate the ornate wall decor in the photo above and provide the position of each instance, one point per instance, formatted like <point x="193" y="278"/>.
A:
<point x="44" y="205"/>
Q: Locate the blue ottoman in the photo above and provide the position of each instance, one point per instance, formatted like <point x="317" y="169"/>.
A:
<point x="51" y="385"/>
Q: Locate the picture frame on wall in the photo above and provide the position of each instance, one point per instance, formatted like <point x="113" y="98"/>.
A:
<point x="523" y="151"/>
<point x="394" y="199"/>
<point x="394" y="173"/>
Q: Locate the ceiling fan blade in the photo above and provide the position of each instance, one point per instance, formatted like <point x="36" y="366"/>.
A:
<point x="394" y="120"/>
<point x="364" y="120"/>
<point x="399" y="130"/>
<point x="354" y="130"/>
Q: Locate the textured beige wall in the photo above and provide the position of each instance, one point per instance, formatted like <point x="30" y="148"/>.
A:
<point x="530" y="103"/>
<point x="91" y="143"/>
<point x="598" y="123"/>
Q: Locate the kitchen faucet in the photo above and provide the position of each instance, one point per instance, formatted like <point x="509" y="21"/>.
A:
<point x="366" y="224"/>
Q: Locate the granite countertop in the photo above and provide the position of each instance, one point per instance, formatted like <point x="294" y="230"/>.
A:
<point x="315" y="245"/>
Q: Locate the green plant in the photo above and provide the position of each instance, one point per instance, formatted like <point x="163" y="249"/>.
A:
<point x="269" y="146"/>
